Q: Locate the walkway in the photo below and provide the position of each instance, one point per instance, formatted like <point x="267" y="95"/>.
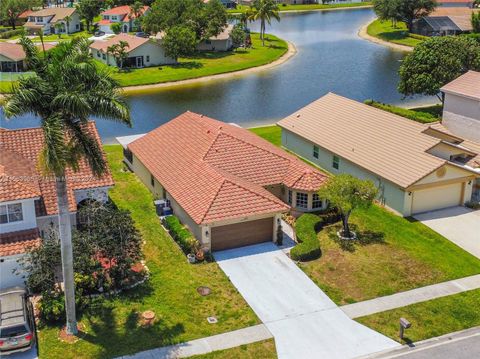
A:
<point x="413" y="296"/>
<point x="206" y="345"/>
<point x="303" y="320"/>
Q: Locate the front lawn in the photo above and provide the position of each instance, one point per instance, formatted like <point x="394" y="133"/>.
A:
<point x="429" y="319"/>
<point x="260" y="350"/>
<point x="111" y="326"/>
<point x="398" y="35"/>
<point x="206" y="64"/>
<point x="392" y="254"/>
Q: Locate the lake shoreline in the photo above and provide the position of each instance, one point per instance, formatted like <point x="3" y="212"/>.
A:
<point x="311" y="10"/>
<point x="363" y="33"/>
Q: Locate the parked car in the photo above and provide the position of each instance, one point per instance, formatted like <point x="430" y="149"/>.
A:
<point x="17" y="326"/>
<point x="142" y="34"/>
<point x="99" y="33"/>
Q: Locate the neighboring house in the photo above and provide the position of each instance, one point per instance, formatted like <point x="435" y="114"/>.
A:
<point x="461" y="109"/>
<point x="455" y="3"/>
<point x="445" y="21"/>
<point x="142" y="52"/>
<point x="221" y="42"/>
<point x="122" y="15"/>
<point x="46" y="19"/>
<point x="417" y="167"/>
<point x="229" y="186"/>
<point x="28" y="200"/>
<point x="12" y="56"/>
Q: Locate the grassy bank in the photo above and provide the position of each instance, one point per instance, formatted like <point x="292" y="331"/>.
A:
<point x="111" y="325"/>
<point x="305" y="7"/>
<point x="260" y="350"/>
<point x="207" y="64"/>
<point x="426" y="114"/>
<point x="384" y="30"/>
<point x="430" y="319"/>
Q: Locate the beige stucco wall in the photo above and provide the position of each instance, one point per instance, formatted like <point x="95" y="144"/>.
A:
<point x="461" y="116"/>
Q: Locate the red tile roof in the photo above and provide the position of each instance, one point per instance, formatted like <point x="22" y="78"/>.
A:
<point x="217" y="171"/>
<point x="18" y="242"/>
<point x="133" y="42"/>
<point x="124" y="10"/>
<point x="12" y="51"/>
<point x="20" y="177"/>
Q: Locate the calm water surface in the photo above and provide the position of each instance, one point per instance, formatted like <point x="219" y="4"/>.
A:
<point x="331" y="57"/>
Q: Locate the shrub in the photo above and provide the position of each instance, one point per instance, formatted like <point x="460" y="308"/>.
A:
<point x="417" y="36"/>
<point x="472" y="205"/>
<point x="180" y="234"/>
<point x="306" y="228"/>
<point x="52" y="307"/>
<point x="11" y="33"/>
<point x="418" y="116"/>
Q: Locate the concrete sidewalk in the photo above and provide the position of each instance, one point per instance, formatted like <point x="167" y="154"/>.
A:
<point x="413" y="296"/>
<point x="206" y="345"/>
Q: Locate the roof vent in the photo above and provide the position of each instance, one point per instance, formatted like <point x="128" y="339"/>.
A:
<point x="220" y="127"/>
<point x="298" y="115"/>
<point x="208" y="131"/>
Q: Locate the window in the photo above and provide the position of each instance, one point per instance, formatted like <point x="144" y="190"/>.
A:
<point x="208" y="42"/>
<point x="98" y="54"/>
<point x="302" y="200"/>
<point x="152" y="180"/>
<point x="148" y="58"/>
<point x="315" y="151"/>
<point x="336" y="162"/>
<point x="104" y="57"/>
<point x="316" y="201"/>
<point x="11" y="213"/>
<point x="289" y="197"/>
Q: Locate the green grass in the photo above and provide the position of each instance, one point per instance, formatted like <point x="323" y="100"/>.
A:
<point x="206" y="64"/>
<point x="111" y="327"/>
<point x="5" y="87"/>
<point x="305" y="7"/>
<point x="392" y="254"/>
<point x="260" y="350"/>
<point x="272" y="134"/>
<point x="429" y="319"/>
<point x="422" y="114"/>
<point x="397" y="35"/>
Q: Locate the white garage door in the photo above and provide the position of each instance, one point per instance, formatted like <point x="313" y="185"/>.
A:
<point x="436" y="198"/>
<point x="7" y="276"/>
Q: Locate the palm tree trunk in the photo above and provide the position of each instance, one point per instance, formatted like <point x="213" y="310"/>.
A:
<point x="262" y="31"/>
<point x="65" y="231"/>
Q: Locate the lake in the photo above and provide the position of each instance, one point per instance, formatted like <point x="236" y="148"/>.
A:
<point x="330" y="58"/>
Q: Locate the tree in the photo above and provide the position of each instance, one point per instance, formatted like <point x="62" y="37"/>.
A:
<point x="437" y="61"/>
<point x="404" y="10"/>
<point x="88" y="9"/>
<point x="264" y="10"/>
<point x="238" y="35"/>
<point x="348" y="193"/>
<point x="136" y="10"/>
<point x="476" y="22"/>
<point x="119" y="52"/>
<point x="66" y="90"/>
<point x="10" y="10"/>
<point x="179" y="41"/>
<point x="58" y="28"/>
<point x="67" y="20"/>
<point x="215" y="16"/>
<point x="116" y="27"/>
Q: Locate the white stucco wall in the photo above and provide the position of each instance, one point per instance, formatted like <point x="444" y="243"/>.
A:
<point x="445" y="151"/>
<point x="215" y="45"/>
<point x="8" y="276"/>
<point x="29" y="219"/>
<point x="461" y="116"/>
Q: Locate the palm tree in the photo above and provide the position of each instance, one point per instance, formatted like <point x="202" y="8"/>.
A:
<point x="67" y="20"/>
<point x="66" y="90"/>
<point x="136" y="10"/>
<point x="264" y="10"/>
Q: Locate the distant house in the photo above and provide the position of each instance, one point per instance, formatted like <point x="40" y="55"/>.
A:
<point x="12" y="57"/>
<point x="142" y="52"/>
<point x="301" y="2"/>
<point x="229" y="186"/>
<point x="461" y="109"/>
<point x="47" y="19"/>
<point x="445" y="21"/>
<point x="417" y="167"/>
<point x="455" y="3"/>
<point x="122" y="15"/>
<point x="221" y="42"/>
<point x="28" y="199"/>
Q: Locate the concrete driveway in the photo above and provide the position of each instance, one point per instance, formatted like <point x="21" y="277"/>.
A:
<point x="303" y="320"/>
<point x="458" y="224"/>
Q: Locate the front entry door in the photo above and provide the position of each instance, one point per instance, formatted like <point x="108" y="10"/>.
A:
<point x="140" y="61"/>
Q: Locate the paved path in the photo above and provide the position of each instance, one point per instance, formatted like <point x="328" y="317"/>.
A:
<point x="413" y="296"/>
<point x="460" y="225"/>
<point x="303" y="320"/>
<point x="460" y="345"/>
<point x="206" y="345"/>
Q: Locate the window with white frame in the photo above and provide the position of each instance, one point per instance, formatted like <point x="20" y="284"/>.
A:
<point x="315" y="151"/>
<point x="11" y="213"/>
<point x="289" y="196"/>
<point x="316" y="201"/>
<point x="302" y="200"/>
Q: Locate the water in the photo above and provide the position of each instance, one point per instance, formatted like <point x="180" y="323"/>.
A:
<point x="331" y="57"/>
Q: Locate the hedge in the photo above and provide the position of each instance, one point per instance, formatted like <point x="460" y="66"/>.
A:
<point x="11" y="33"/>
<point x="309" y="246"/>
<point x="418" y="116"/>
<point x="180" y="233"/>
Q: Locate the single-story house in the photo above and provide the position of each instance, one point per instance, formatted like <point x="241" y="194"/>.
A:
<point x="221" y="42"/>
<point x="123" y="15"/>
<point x="229" y="186"/>
<point x="142" y="52"/>
<point x="417" y="167"/>
<point x="28" y="200"/>
<point x="47" y="19"/>
<point x="12" y="56"/>
<point x="445" y="21"/>
<point x="461" y="108"/>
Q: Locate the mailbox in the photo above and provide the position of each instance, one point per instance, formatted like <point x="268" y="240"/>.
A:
<point x="404" y="324"/>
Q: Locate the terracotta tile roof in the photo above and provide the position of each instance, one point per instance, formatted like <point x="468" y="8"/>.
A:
<point x="133" y="42"/>
<point x="13" y="51"/>
<point x="58" y="13"/>
<point x="124" y="10"/>
<point x="385" y="144"/>
<point x="20" y="176"/>
<point x="18" y="242"/>
<point x="217" y="171"/>
<point x="467" y="85"/>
